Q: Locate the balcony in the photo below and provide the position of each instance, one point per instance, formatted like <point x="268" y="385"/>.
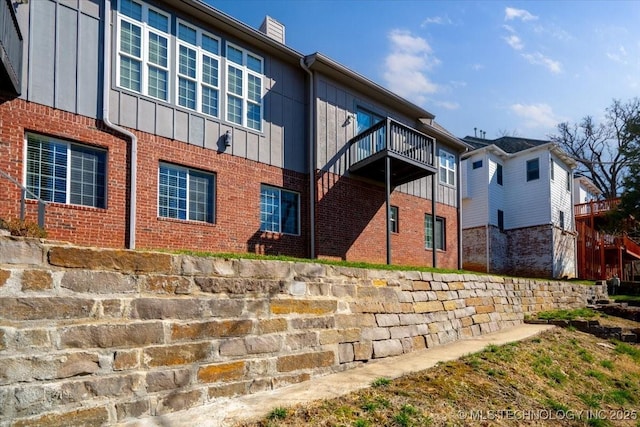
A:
<point x="411" y="153"/>
<point x="595" y="208"/>
<point x="10" y="49"/>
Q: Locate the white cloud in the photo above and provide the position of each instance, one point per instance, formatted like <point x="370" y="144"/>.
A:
<point x="536" y="115"/>
<point x="477" y="67"/>
<point x="448" y="105"/>
<point x="438" y="20"/>
<point x="539" y="59"/>
<point x="406" y="66"/>
<point x="514" y="41"/>
<point x="511" y="13"/>
<point x="620" y="55"/>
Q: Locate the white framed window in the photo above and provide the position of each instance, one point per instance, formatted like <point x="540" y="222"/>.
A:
<point x="279" y="210"/>
<point x="197" y="70"/>
<point x="143" y="49"/>
<point x="244" y="87"/>
<point x="186" y="194"/>
<point x="64" y="172"/>
<point x="447" y="169"/>
<point x="438" y="237"/>
<point x="533" y="169"/>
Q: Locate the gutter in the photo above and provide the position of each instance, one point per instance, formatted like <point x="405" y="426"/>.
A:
<point x="106" y="82"/>
<point x="312" y="163"/>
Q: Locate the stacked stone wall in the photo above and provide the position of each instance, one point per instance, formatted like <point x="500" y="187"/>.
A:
<point x="101" y="336"/>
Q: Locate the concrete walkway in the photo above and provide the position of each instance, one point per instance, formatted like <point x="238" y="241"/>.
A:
<point x="228" y="411"/>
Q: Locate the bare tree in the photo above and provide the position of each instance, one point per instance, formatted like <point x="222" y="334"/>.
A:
<point x="603" y="150"/>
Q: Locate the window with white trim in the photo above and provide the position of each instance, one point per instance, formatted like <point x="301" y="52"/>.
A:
<point x="64" y="172"/>
<point x="186" y="194"/>
<point x="279" y="210"/>
<point x="143" y="49"/>
<point x="198" y="69"/>
<point x="244" y="87"/>
<point x="533" y="169"/>
<point x="447" y="170"/>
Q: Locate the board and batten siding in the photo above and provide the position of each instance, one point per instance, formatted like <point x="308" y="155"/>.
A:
<point x="62" y="54"/>
<point x="64" y="70"/>
<point x="528" y="201"/>
<point x="335" y="107"/>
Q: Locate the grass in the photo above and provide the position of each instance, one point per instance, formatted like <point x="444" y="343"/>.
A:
<point x="579" y="313"/>
<point x="558" y="372"/>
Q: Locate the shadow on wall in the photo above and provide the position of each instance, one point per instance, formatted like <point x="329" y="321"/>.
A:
<point x="345" y="208"/>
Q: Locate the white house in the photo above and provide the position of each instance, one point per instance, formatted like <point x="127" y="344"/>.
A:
<point x="517" y="208"/>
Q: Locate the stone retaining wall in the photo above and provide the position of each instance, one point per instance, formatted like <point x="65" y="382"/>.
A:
<point x="100" y="336"/>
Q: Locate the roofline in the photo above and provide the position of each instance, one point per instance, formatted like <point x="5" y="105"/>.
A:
<point x="341" y="73"/>
<point x="589" y="184"/>
<point x="240" y="30"/>
<point x="551" y="146"/>
<point x="451" y="139"/>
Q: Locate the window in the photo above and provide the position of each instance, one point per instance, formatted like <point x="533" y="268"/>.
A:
<point x="477" y="164"/>
<point x="499" y="174"/>
<point x="500" y="220"/>
<point x="561" y="219"/>
<point x="447" y="168"/>
<point x="371" y="143"/>
<point x="198" y="67"/>
<point x="279" y="210"/>
<point x="190" y="77"/>
<point x="143" y="49"/>
<point x="244" y="88"/>
<point x="568" y="181"/>
<point x="185" y="194"/>
<point x="533" y="169"/>
<point x="552" y="170"/>
<point x="393" y="221"/>
<point x="63" y="172"/>
<point x="429" y="236"/>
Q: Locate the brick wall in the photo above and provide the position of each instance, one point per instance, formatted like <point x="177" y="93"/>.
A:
<point x="351" y="224"/>
<point x="92" y="336"/>
<point x="237" y="227"/>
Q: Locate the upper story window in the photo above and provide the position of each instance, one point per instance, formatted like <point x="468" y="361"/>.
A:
<point x="279" y="210"/>
<point x="561" y="219"/>
<point x="477" y="164"/>
<point x="143" y="49"/>
<point x="64" y="172"/>
<point x="185" y="194"/>
<point x="499" y="174"/>
<point x="365" y="119"/>
<point x="552" y="169"/>
<point x="194" y="78"/>
<point x="244" y="88"/>
<point x="447" y="170"/>
<point x="568" y="181"/>
<point x="198" y="70"/>
<point x="500" y="220"/>
<point x="533" y="169"/>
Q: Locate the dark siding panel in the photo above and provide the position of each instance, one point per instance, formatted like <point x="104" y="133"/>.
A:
<point x="41" y="52"/>
<point x="66" y="59"/>
<point x="239" y="144"/>
<point x="253" y="142"/>
<point x="91" y="8"/>
<point x="89" y="68"/>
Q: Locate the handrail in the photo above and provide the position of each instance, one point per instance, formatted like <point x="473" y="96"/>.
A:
<point x="596" y="206"/>
<point x="42" y="205"/>
<point x="11" y="44"/>
<point x="392" y="136"/>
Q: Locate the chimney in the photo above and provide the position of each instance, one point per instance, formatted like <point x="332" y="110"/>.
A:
<point x="273" y="29"/>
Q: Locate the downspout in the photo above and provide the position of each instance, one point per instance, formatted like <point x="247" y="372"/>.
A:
<point x="459" y="213"/>
<point x="106" y="81"/>
<point x="488" y="226"/>
<point x="434" y="260"/>
<point x="312" y="163"/>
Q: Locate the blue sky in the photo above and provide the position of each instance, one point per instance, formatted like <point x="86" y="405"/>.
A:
<point x="515" y="68"/>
